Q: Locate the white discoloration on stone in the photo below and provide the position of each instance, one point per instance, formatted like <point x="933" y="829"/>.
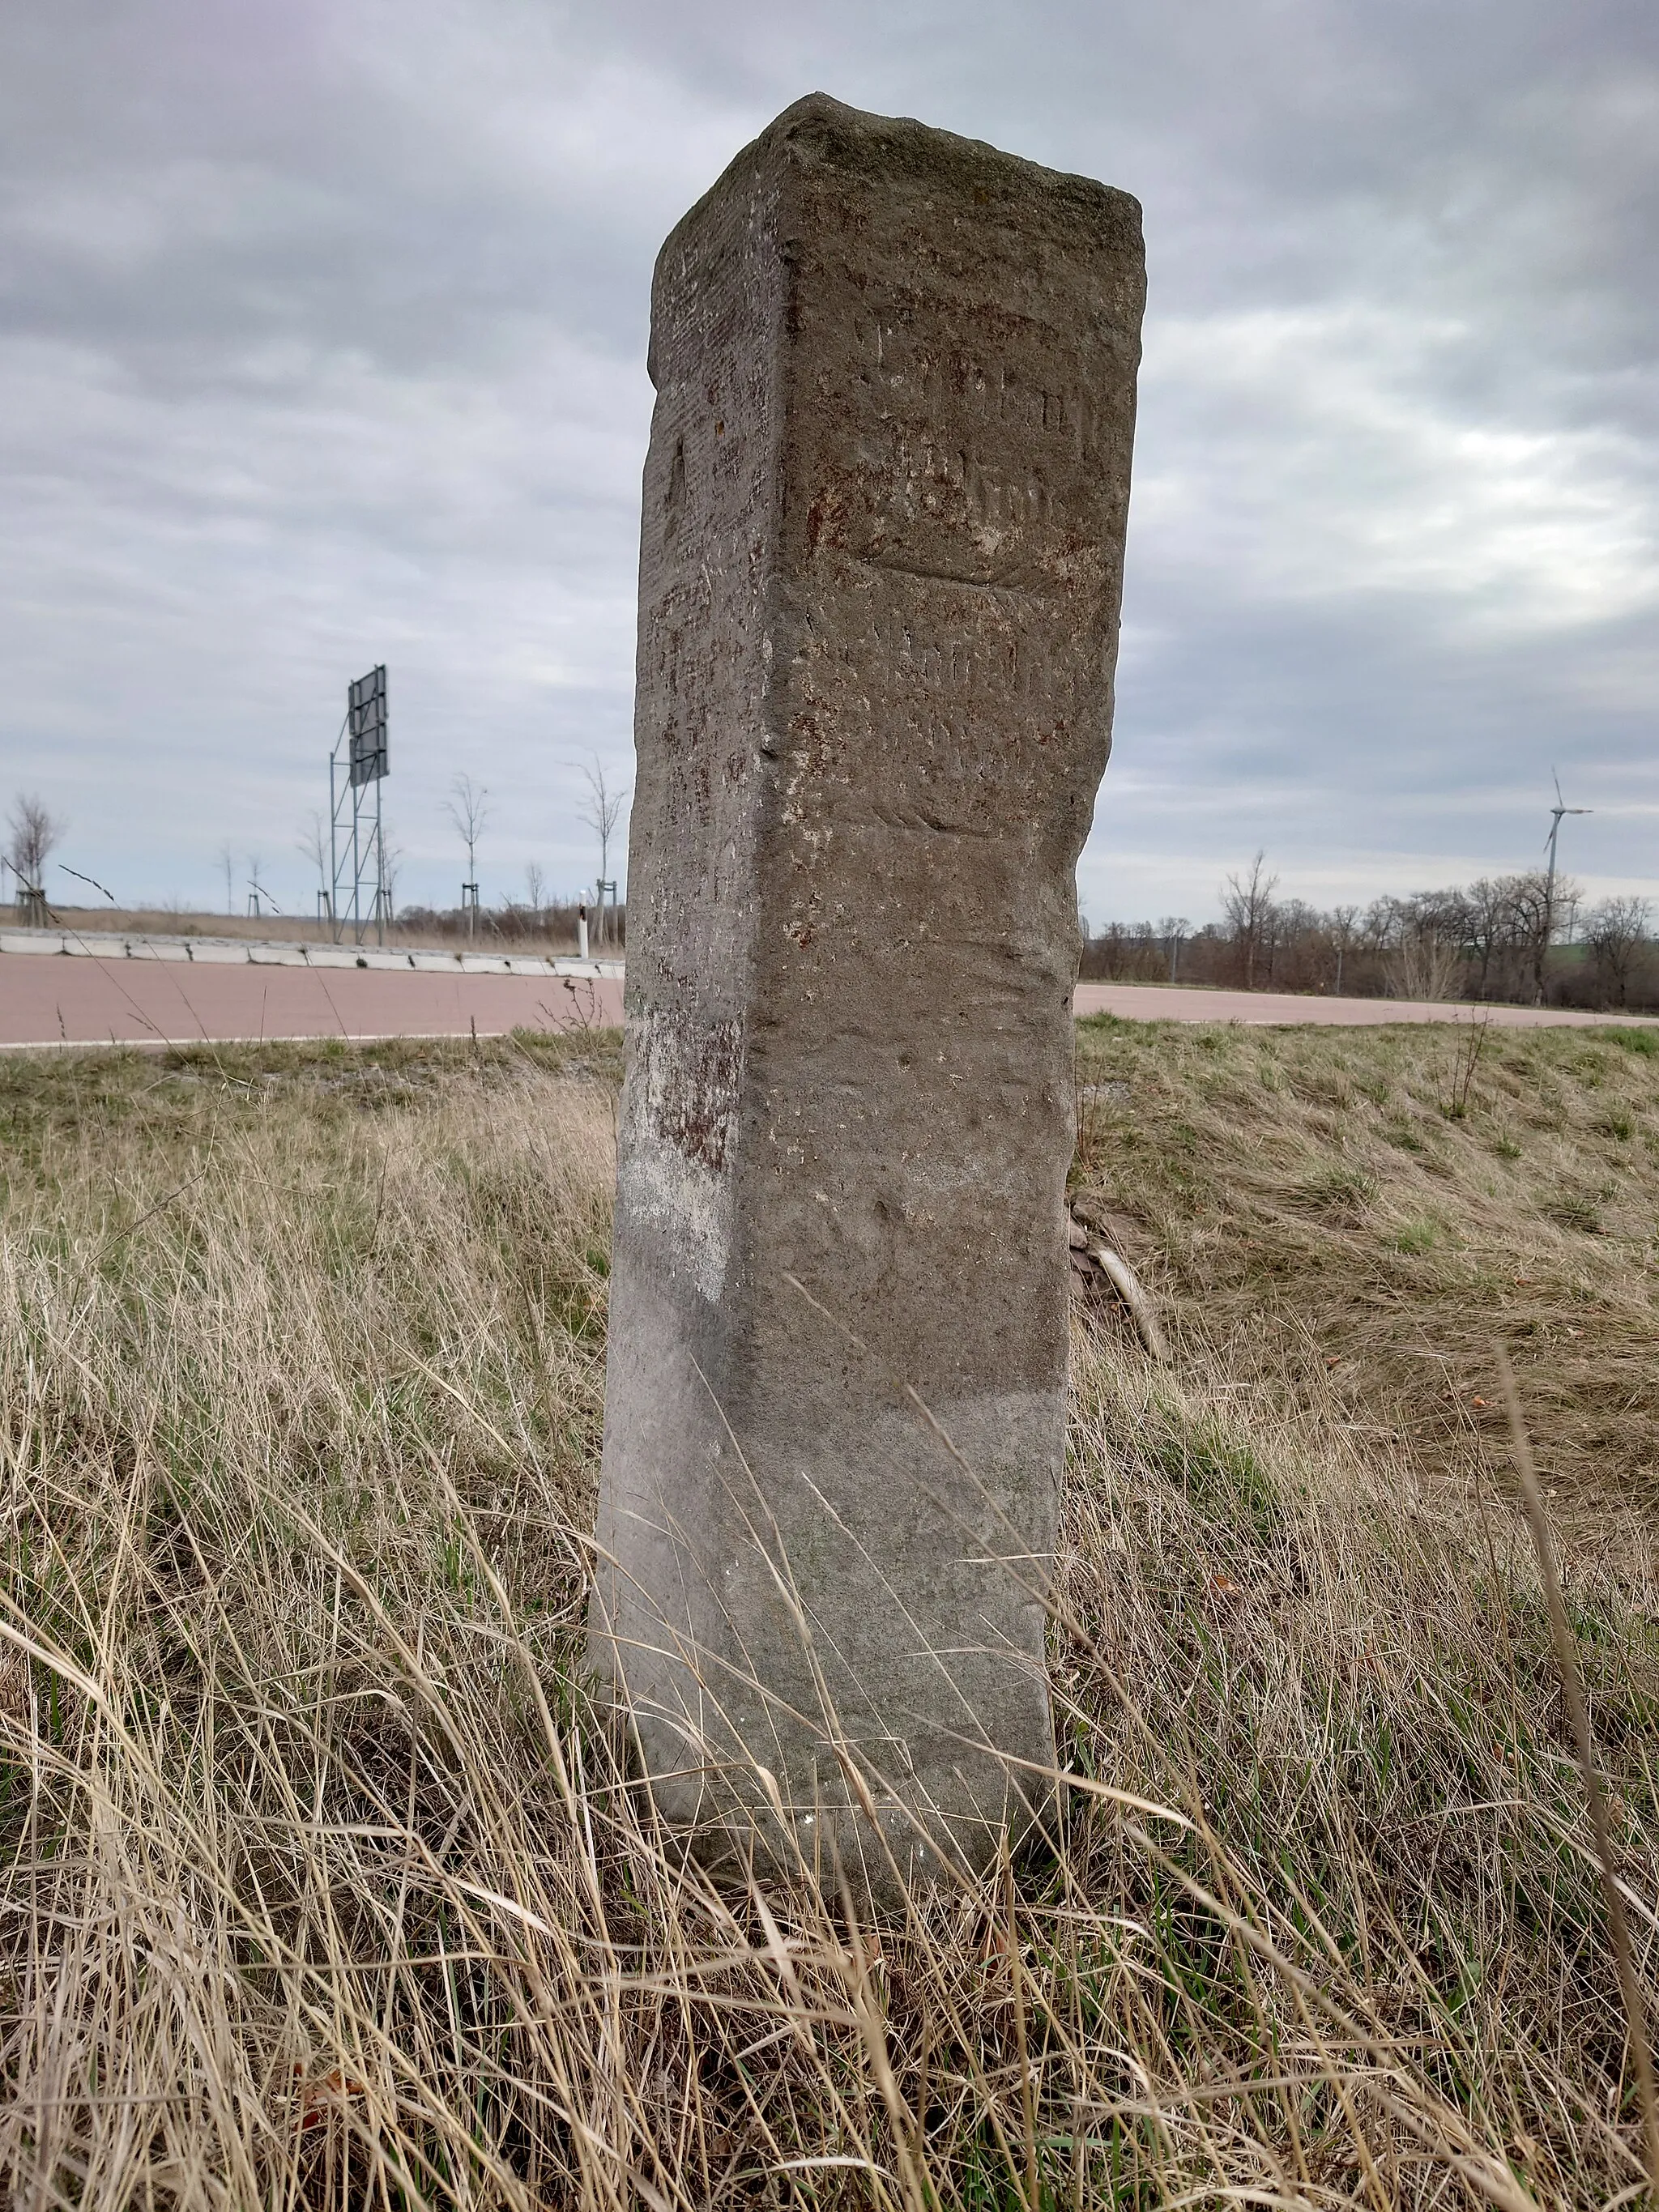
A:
<point x="681" y="1114"/>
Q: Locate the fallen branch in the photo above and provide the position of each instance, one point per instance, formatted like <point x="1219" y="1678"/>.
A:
<point x="1123" y="1278"/>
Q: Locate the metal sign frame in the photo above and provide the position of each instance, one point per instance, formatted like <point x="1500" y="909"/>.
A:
<point x="359" y="894"/>
<point x="606" y="883"/>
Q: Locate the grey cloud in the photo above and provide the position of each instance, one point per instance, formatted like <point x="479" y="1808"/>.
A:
<point x="323" y="340"/>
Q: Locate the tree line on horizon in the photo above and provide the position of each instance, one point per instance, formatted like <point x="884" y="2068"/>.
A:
<point x="1515" y="940"/>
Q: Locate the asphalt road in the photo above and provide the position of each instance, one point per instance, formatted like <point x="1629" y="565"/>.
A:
<point x="1159" y="1002"/>
<point x="94" y="1001"/>
<point x="87" y="1001"/>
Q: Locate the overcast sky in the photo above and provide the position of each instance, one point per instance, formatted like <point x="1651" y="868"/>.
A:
<point x="322" y="342"/>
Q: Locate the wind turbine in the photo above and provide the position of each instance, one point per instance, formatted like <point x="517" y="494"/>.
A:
<point x="1559" y="808"/>
<point x="1556" y="813"/>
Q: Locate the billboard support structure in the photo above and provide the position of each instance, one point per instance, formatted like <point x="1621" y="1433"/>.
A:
<point x="358" y="896"/>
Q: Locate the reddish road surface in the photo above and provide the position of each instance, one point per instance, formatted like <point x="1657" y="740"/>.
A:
<point x="1153" y="1002"/>
<point x="80" y="1000"/>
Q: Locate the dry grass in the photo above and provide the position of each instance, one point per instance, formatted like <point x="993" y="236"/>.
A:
<point x="320" y="1883"/>
<point x="1361" y="1206"/>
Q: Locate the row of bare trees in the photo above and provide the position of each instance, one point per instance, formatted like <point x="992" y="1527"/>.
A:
<point x="468" y="810"/>
<point x="1517" y="938"/>
<point x="33" y="833"/>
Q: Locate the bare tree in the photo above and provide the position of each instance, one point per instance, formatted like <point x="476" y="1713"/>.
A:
<point x="1342" y="926"/>
<point x="527" y="917"/>
<point x="1426" y="967"/>
<point x="313" y="843"/>
<point x="1290" y="922"/>
<point x="467" y="807"/>
<point x="1617" y="934"/>
<point x="1533" y="904"/>
<point x="34" y="831"/>
<point x="1488" y="904"/>
<point x="1248" y="904"/>
<point x="1426" y="937"/>
<point x="1505" y="921"/>
<point x="258" y="898"/>
<point x="392" y="857"/>
<point x="601" y="811"/>
<point x="1172" y="928"/>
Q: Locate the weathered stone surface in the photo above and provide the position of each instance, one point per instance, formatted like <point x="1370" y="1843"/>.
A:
<point x="879" y="577"/>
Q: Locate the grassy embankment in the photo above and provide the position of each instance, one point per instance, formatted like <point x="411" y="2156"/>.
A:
<point x="317" y="1886"/>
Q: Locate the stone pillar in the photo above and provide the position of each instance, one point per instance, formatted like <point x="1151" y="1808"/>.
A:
<point x="879" y="579"/>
